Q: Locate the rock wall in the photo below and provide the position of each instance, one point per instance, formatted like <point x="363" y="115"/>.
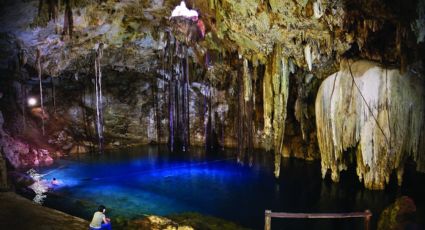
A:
<point x="3" y="174"/>
<point x="376" y="111"/>
<point x="3" y="170"/>
<point x="21" y="154"/>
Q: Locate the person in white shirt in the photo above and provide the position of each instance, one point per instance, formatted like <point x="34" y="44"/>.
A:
<point x="100" y="217"/>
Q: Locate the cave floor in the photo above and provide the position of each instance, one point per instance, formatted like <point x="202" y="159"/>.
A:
<point x="19" y="213"/>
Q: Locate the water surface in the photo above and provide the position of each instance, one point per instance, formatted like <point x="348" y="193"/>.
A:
<point x="150" y="180"/>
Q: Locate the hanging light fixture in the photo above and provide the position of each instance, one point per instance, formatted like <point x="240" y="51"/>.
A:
<point x="32" y="101"/>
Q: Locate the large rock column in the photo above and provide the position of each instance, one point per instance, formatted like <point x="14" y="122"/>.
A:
<point x="376" y="112"/>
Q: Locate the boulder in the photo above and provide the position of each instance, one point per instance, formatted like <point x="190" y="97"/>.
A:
<point x="398" y="215"/>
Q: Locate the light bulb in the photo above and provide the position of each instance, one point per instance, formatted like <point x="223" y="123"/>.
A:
<point x="32" y="101"/>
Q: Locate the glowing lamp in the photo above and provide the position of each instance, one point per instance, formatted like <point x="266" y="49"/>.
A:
<point x="32" y="101"/>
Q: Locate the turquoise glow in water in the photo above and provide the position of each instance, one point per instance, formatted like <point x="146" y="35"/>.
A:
<point x="149" y="180"/>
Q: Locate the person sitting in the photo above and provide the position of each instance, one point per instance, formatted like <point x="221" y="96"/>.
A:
<point x="100" y="217"/>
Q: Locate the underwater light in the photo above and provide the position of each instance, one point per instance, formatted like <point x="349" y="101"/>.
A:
<point x="32" y="101"/>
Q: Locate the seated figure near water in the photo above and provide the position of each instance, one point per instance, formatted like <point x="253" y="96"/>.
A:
<point x="100" y="217"/>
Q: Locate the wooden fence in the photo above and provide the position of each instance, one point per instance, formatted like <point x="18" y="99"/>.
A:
<point x="269" y="214"/>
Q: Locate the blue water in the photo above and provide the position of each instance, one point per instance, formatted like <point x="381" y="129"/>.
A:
<point x="149" y="180"/>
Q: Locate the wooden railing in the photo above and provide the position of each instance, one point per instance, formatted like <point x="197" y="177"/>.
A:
<point x="269" y="214"/>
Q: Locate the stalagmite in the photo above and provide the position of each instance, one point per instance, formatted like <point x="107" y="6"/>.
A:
<point x="377" y="111"/>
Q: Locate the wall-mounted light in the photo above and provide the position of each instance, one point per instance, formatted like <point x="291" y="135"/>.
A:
<point x="32" y="101"/>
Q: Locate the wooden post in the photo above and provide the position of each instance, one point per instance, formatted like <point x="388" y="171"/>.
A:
<point x="268" y="220"/>
<point x="367" y="219"/>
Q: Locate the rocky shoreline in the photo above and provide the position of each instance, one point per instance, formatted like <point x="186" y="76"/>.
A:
<point x="17" y="213"/>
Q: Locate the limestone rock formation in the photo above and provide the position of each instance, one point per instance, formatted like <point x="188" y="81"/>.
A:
<point x="249" y="80"/>
<point x="20" y="154"/>
<point x="157" y="222"/>
<point x="398" y="215"/>
<point x="376" y="111"/>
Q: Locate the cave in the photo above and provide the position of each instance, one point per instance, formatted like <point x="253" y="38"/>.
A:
<point x="212" y="114"/>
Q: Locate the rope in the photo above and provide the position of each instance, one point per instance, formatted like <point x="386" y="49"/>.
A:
<point x="367" y="105"/>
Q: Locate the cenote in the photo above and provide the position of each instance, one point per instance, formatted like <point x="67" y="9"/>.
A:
<point x="304" y="106"/>
<point x="135" y="182"/>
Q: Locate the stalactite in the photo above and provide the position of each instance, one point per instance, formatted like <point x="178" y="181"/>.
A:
<point x="254" y="88"/>
<point x="86" y="120"/>
<point x="154" y="94"/>
<point x="53" y="95"/>
<point x="169" y="55"/>
<point x="247" y="112"/>
<point x="187" y="85"/>
<point x="40" y="7"/>
<point x="21" y="62"/>
<point x="241" y="103"/>
<point x="38" y="60"/>
<point x="171" y="111"/>
<point x="98" y="92"/>
<point x="247" y="81"/>
<point x="53" y="9"/>
<point x="281" y="91"/>
<point x="318" y="9"/>
<point x="68" y="21"/>
<point x="178" y="104"/>
<point x="308" y="56"/>
<point x="179" y="89"/>
<point x="301" y="113"/>
<point x="183" y="94"/>
<point x="206" y="118"/>
<point x="361" y="118"/>
<point x="23" y="106"/>
<point x="210" y="120"/>
<point x="268" y="106"/>
<point x="275" y="97"/>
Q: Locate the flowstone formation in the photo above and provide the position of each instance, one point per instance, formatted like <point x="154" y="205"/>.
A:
<point x="378" y="112"/>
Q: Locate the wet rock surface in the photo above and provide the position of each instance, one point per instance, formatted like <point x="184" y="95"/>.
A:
<point x="399" y="215"/>
<point x="18" y="213"/>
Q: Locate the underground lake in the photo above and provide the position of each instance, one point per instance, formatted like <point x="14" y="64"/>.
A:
<point x="139" y="181"/>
